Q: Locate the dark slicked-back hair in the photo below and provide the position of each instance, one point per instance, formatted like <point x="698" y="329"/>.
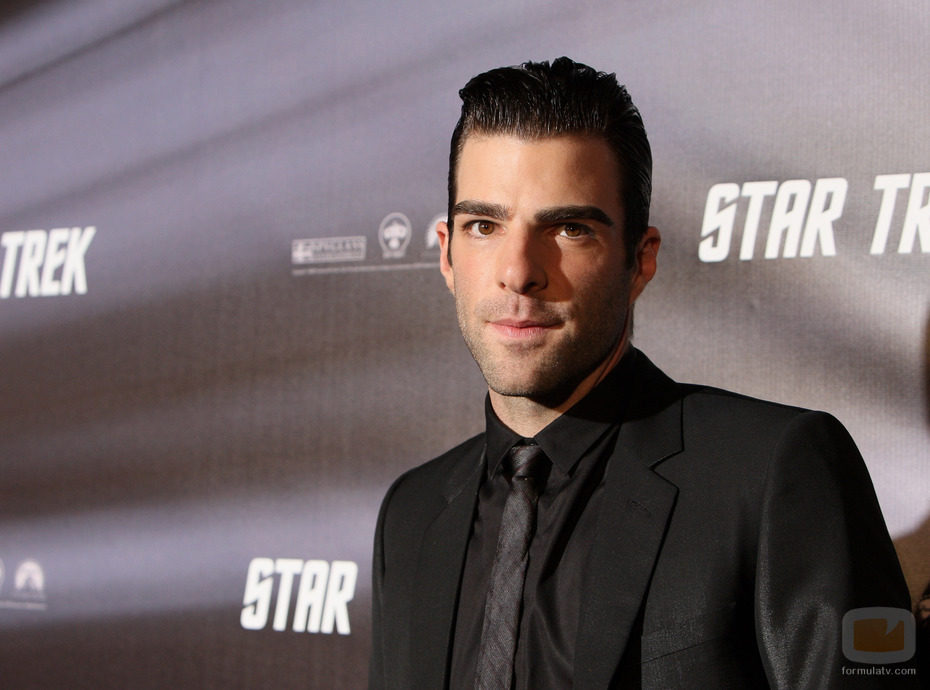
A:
<point x="537" y="100"/>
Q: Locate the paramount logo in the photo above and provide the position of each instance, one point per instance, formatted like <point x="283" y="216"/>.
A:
<point x="323" y="250"/>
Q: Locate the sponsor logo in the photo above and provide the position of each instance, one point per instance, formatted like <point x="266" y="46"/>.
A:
<point x="28" y="586"/>
<point x="797" y="218"/>
<point x="322" y="250"/>
<point x="879" y="635"/>
<point x="29" y="581"/>
<point x="432" y="238"/>
<point x="323" y="592"/>
<point x="40" y="263"/>
<point x="394" y="235"/>
<point x="348" y="255"/>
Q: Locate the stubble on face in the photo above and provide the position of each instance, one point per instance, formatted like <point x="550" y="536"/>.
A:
<point x="549" y="371"/>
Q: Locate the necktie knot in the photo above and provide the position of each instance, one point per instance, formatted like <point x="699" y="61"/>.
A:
<point x="527" y="461"/>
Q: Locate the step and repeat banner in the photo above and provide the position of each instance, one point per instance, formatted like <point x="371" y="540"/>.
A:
<point x="223" y="332"/>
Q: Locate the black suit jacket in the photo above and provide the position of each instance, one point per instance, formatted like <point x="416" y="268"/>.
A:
<point x="734" y="534"/>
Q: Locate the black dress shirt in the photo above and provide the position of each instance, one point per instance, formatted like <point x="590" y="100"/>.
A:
<point x="578" y="444"/>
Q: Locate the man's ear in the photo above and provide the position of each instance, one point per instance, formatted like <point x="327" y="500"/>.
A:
<point x="445" y="257"/>
<point x="646" y="252"/>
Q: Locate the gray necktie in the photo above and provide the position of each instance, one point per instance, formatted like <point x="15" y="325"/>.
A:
<point x="505" y="592"/>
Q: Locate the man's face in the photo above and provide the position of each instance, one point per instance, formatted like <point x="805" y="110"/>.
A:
<point x="538" y="267"/>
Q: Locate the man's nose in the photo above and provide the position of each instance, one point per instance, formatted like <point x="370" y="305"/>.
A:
<point x="521" y="262"/>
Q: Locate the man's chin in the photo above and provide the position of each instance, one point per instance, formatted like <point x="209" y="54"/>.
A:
<point x="548" y="393"/>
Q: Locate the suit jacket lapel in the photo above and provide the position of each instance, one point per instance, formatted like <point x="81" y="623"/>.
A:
<point x="635" y="510"/>
<point x="442" y="555"/>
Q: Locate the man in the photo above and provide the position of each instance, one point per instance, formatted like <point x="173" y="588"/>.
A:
<point x="611" y="528"/>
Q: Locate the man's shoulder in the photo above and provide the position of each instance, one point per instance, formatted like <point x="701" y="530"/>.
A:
<point x="727" y="407"/>
<point x="443" y="473"/>
<point x="716" y="409"/>
<point x="720" y="401"/>
<point x="748" y="427"/>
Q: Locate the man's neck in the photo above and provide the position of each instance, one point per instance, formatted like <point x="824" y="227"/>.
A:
<point x="528" y="417"/>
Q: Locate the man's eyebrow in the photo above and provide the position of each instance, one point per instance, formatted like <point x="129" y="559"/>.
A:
<point x="481" y="208"/>
<point x="558" y="214"/>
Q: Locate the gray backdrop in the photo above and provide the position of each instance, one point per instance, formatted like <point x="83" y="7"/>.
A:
<point x="253" y="340"/>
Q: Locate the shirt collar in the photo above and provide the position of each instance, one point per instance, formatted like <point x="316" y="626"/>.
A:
<point x="566" y="439"/>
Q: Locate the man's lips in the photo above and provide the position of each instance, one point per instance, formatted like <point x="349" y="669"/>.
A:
<point x="522" y="328"/>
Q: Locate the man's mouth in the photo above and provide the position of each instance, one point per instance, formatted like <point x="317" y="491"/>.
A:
<point x="523" y="329"/>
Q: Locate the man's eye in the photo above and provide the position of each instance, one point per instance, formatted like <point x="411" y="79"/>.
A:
<point x="480" y="227"/>
<point x="573" y="230"/>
